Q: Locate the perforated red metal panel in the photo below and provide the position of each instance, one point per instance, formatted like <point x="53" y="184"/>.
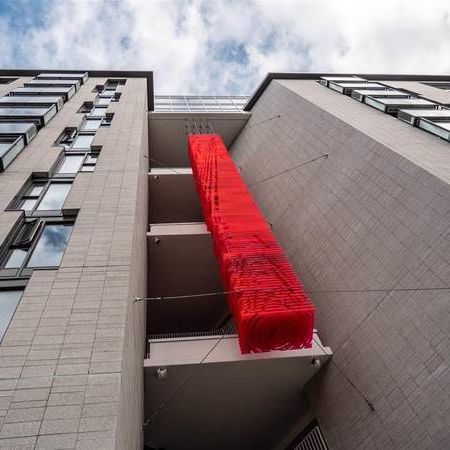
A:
<point x="269" y="305"/>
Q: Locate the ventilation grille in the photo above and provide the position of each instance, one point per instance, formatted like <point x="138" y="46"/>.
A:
<point x="227" y="330"/>
<point x="311" y="438"/>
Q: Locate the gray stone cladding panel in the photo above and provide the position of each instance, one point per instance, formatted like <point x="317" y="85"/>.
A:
<point x="71" y="360"/>
<point x="359" y="226"/>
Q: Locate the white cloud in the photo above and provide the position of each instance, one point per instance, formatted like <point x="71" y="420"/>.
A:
<point x="205" y="46"/>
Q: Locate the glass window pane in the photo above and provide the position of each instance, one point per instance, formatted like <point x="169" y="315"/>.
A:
<point x="26" y="233"/>
<point x="55" y="196"/>
<point x="91" y="159"/>
<point x="8" y="304"/>
<point x="104" y="100"/>
<point x="98" y="111"/>
<point x="88" y="168"/>
<point x="28" y="204"/>
<point x="16" y="259"/>
<point x="92" y="124"/>
<point x="71" y="164"/>
<point x="51" y="246"/>
<point x="83" y="141"/>
<point x="35" y="190"/>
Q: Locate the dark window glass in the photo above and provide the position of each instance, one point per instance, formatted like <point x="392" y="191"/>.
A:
<point x="66" y="137"/>
<point x="26" y="233"/>
<point x="55" y="197"/>
<point x="8" y="304"/>
<point x="51" y="246"/>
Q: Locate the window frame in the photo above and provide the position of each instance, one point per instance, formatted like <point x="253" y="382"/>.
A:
<point x="11" y="286"/>
<point x="10" y="245"/>
<point x="25" y="194"/>
<point x="69" y="152"/>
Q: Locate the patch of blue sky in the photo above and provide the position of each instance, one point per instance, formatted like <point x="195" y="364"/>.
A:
<point x="230" y="51"/>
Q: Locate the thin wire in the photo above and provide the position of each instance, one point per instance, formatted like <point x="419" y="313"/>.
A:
<point x="368" y="402"/>
<point x="291" y="289"/>
<point x="326" y="156"/>
<point x="177" y="388"/>
<point x="161" y="164"/>
<point x="264" y="121"/>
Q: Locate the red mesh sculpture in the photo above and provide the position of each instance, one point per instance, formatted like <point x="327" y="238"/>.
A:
<point x="269" y="305"/>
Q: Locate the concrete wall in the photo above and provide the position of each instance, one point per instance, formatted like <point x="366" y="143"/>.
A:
<point x="71" y="360"/>
<point x="371" y="219"/>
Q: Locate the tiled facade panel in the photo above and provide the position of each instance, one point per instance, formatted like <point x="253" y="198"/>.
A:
<point x="66" y="377"/>
<point x="366" y="220"/>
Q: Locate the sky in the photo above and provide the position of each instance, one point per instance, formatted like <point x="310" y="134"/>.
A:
<point x="226" y="47"/>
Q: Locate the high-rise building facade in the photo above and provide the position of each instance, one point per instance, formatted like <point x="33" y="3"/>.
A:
<point x="117" y="328"/>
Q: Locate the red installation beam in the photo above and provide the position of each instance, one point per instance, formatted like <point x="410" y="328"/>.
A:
<point x="269" y="305"/>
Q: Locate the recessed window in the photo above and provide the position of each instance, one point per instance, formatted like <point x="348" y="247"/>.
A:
<point x="115" y="81"/>
<point x="4" y="80"/>
<point x="98" y="111"/>
<point x="83" y="141"/>
<point x="31" y="196"/>
<point x="66" y="92"/>
<point x="98" y="88"/>
<point x="91" y="124"/>
<point x="71" y="164"/>
<point x="66" y="138"/>
<point x="104" y="100"/>
<point x="9" y="299"/>
<point x="74" y="162"/>
<point x="54" y="197"/>
<point x="439" y="85"/>
<point x="85" y="108"/>
<point x="51" y="246"/>
<point x="42" y="195"/>
<point x="16" y="258"/>
<point x="109" y="93"/>
<point x="37" y="243"/>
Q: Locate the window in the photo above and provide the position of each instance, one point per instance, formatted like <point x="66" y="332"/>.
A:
<point x="114" y="82"/>
<point x="108" y="94"/>
<point x="54" y="197"/>
<point x="86" y="107"/>
<point x="50" y="246"/>
<point x="106" y="121"/>
<point x="98" y="111"/>
<point x="39" y="116"/>
<point x="439" y="85"/>
<point x="30" y="199"/>
<point x="66" y="92"/>
<point x="104" y="100"/>
<point x="83" y="140"/>
<point x="91" y="124"/>
<point x="40" y="196"/>
<point x="38" y="243"/>
<point x="9" y="299"/>
<point x="10" y="147"/>
<point x="66" y="138"/>
<point x="4" y="80"/>
<point x="71" y="164"/>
